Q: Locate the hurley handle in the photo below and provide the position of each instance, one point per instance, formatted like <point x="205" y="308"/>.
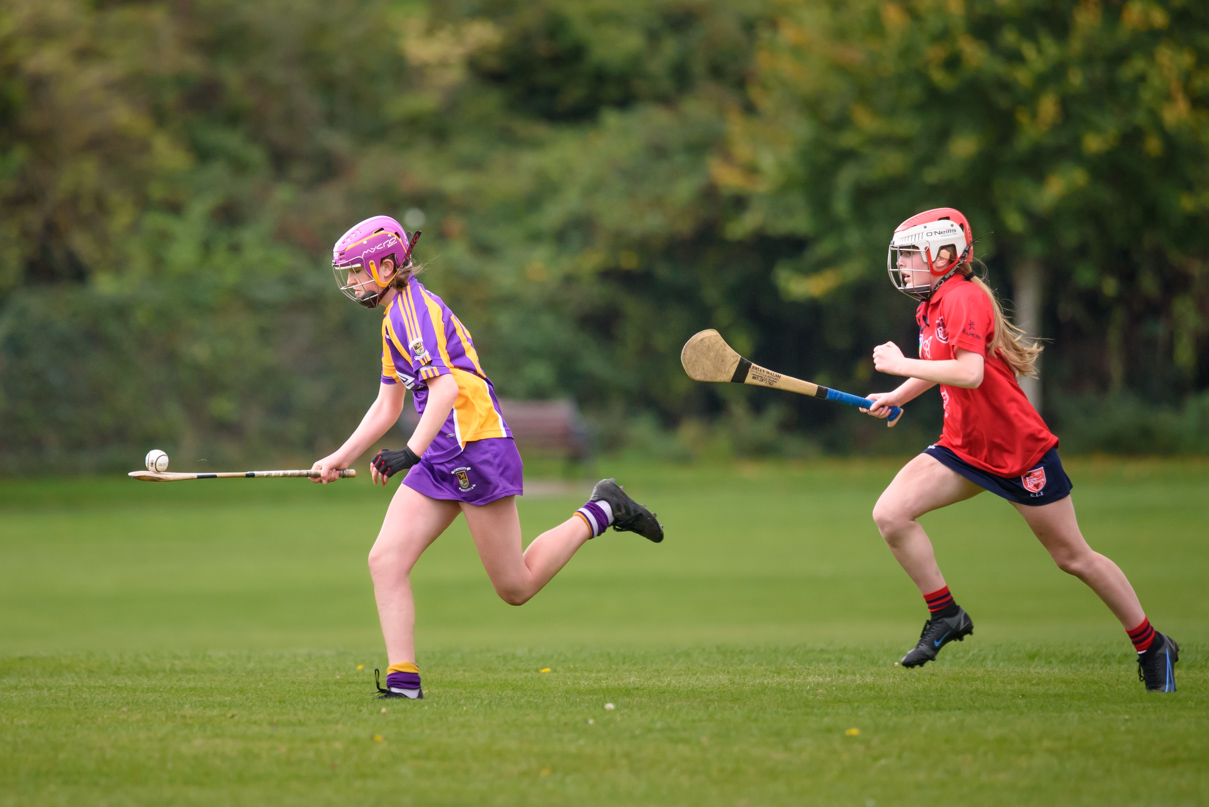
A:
<point x="864" y="403"/>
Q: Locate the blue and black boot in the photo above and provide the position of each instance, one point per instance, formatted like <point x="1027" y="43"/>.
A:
<point x="938" y="632"/>
<point x="1156" y="667"/>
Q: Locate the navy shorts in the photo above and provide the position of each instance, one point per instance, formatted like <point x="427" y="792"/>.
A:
<point x="485" y="471"/>
<point x="1046" y="482"/>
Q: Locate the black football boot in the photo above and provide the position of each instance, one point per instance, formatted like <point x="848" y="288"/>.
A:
<point x="1156" y="667"/>
<point x="628" y="515"/>
<point x="937" y="633"/>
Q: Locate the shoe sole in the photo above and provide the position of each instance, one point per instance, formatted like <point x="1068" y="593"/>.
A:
<point x="643" y="515"/>
<point x="391" y="695"/>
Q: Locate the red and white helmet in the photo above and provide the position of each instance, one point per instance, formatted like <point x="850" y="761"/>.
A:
<point x="926" y="234"/>
<point x="363" y="248"/>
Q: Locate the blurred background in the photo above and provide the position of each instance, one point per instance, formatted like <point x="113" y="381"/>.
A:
<point x="596" y="180"/>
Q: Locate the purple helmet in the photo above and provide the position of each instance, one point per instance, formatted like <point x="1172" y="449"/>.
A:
<point x="362" y="249"/>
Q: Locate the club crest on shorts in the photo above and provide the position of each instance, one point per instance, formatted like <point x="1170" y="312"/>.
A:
<point x="463" y="476"/>
<point x="1034" y="480"/>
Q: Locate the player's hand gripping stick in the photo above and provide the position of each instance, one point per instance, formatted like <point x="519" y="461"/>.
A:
<point x="707" y="357"/>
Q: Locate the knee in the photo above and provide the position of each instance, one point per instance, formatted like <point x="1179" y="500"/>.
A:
<point x="890" y="520"/>
<point x="1075" y="563"/>
<point x="385" y="565"/>
<point x="513" y="595"/>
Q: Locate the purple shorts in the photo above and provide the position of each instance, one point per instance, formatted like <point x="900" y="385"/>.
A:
<point x="486" y="470"/>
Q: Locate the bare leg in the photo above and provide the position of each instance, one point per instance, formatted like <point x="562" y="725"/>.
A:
<point x="412" y="523"/>
<point x="517" y="576"/>
<point x="1057" y="529"/>
<point x="923" y="485"/>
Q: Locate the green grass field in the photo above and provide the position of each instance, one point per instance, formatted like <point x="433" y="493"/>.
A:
<point x="214" y="643"/>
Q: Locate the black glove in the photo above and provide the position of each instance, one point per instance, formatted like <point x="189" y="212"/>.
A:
<point x="390" y="462"/>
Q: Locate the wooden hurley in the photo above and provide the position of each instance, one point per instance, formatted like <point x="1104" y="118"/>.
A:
<point x="166" y="476"/>
<point x="707" y="357"/>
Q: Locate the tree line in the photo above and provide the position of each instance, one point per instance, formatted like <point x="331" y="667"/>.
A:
<point x="596" y="181"/>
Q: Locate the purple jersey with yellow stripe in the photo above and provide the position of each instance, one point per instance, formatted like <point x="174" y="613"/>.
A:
<point x="422" y="339"/>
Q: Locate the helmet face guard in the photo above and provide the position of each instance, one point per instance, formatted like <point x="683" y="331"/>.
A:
<point x="936" y="242"/>
<point x="357" y="258"/>
<point x="359" y="284"/>
<point x="899" y="264"/>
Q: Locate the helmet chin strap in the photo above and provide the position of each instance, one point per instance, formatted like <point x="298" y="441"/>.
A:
<point x="952" y="269"/>
<point x="372" y="299"/>
<point x="945" y="277"/>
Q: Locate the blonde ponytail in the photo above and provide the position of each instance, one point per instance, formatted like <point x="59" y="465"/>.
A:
<point x="1013" y="345"/>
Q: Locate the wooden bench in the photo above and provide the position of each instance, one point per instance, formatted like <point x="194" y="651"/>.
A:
<point x="549" y="428"/>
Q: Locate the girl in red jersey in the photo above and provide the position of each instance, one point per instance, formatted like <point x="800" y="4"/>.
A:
<point x="992" y="440"/>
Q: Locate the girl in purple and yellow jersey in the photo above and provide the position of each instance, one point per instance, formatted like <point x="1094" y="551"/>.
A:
<point x="460" y="460"/>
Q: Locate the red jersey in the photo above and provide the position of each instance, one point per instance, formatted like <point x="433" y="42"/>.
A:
<point x="993" y="427"/>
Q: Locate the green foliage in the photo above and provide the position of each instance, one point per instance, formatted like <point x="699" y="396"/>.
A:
<point x="596" y="181"/>
<point x="570" y="61"/>
<point x="210" y="344"/>
<point x="1127" y="425"/>
<point x="82" y="152"/>
<point x="1073" y="133"/>
<point x="95" y="379"/>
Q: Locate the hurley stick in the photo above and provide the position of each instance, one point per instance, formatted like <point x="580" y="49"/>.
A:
<point x="153" y="476"/>
<point x="707" y="357"/>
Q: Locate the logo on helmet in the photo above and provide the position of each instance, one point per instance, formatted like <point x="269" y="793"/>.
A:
<point x="392" y="240"/>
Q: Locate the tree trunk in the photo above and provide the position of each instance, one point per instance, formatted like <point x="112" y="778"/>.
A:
<point x="1027" y="316"/>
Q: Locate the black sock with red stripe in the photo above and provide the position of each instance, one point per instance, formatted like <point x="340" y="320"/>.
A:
<point x="1141" y="636"/>
<point x="940" y="603"/>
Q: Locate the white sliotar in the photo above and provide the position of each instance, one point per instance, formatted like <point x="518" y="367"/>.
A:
<point x="157" y="461"/>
